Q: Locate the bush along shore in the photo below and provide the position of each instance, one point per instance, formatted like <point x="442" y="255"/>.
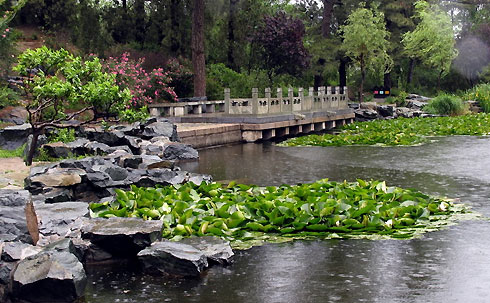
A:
<point x="249" y="215"/>
<point x="401" y="131"/>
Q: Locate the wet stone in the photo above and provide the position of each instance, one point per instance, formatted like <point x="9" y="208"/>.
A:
<point x="173" y="258"/>
<point x="51" y="276"/>
<point x="14" y="251"/>
<point x="215" y="249"/>
<point x="122" y="237"/>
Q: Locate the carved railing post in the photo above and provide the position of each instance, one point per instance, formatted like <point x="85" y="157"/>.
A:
<point x="255" y="101"/>
<point x="227" y="101"/>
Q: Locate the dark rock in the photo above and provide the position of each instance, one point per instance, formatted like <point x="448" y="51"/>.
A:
<point x="173" y="258"/>
<point x="10" y="197"/>
<point x="122" y="237"/>
<point x="111" y="138"/>
<point x="417" y="105"/>
<point x="116" y="173"/>
<point x="60" y="218"/>
<point x="386" y="110"/>
<point x="15" y="251"/>
<point x="97" y="148"/>
<point x="158" y="129"/>
<point x="56" y="195"/>
<point x="13" y="226"/>
<point x="66" y="245"/>
<point x="12" y="137"/>
<point x="119" y="148"/>
<point x="94" y="253"/>
<point x="130" y="161"/>
<point x="215" y="249"/>
<point x="404" y="112"/>
<point x="5" y="270"/>
<point x="51" y="276"/>
<point x="57" y="149"/>
<point x="152" y="149"/>
<point x="366" y="114"/>
<point x="180" y="151"/>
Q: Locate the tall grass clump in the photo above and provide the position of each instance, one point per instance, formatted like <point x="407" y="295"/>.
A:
<point x="480" y="93"/>
<point x="446" y="104"/>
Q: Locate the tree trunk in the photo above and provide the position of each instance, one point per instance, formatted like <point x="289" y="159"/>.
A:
<point x="327" y="17"/>
<point x="174" y="27"/>
<point x="363" y="76"/>
<point x="32" y="149"/>
<point x="231" y="34"/>
<point x="387" y="81"/>
<point x="411" y="66"/>
<point x="343" y="71"/>
<point x="439" y="80"/>
<point x="197" y="45"/>
<point x="139" y="26"/>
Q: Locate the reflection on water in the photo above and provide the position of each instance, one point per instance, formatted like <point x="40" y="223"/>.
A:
<point x="451" y="265"/>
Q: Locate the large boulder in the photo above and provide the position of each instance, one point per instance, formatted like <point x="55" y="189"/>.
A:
<point x="60" y="219"/>
<point x="122" y="237"/>
<point x="12" y="137"/>
<point x="111" y="138"/>
<point x="50" y="276"/>
<point x="180" y="151"/>
<point x="57" y="177"/>
<point x="173" y="258"/>
<point x="159" y="129"/>
<point x="13" y="226"/>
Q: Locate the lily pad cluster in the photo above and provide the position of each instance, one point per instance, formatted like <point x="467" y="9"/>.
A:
<point x="401" y="131"/>
<point x="247" y="213"/>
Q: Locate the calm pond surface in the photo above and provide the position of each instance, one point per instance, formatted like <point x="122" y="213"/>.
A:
<point x="451" y="265"/>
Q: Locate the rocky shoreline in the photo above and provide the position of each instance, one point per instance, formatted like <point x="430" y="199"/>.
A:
<point x="47" y="236"/>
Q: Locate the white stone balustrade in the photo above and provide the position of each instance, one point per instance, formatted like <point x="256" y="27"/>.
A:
<point x="326" y="98"/>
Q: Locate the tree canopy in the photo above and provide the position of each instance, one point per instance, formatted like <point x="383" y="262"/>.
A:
<point x="366" y="41"/>
<point x="432" y="41"/>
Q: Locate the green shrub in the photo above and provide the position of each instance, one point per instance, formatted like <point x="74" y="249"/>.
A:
<point x="8" y="97"/>
<point x="446" y="104"/>
<point x="132" y="114"/>
<point x="480" y="93"/>
<point x="65" y="135"/>
<point x="401" y="98"/>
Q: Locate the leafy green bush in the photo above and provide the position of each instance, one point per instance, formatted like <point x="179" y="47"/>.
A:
<point x="132" y="115"/>
<point x="480" y="93"/>
<point x="8" y="97"/>
<point x="64" y="135"/>
<point x="248" y="212"/>
<point x="445" y="104"/>
<point x="401" y="131"/>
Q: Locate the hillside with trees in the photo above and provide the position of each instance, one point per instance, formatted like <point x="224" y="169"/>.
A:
<point x="204" y="46"/>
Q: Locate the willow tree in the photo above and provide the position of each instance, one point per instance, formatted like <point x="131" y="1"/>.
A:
<point x="365" y="42"/>
<point x="432" y="41"/>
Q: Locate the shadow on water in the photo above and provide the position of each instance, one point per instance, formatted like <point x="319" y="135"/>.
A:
<point x="451" y="265"/>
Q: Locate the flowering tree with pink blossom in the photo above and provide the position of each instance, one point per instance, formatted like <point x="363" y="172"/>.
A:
<point x="146" y="87"/>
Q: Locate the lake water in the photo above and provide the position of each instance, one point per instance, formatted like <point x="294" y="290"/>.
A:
<point x="451" y="265"/>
